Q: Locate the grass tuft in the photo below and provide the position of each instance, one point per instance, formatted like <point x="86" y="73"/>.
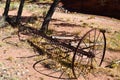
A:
<point x="113" y="41"/>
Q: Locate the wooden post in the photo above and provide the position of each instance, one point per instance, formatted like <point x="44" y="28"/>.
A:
<point x="47" y="19"/>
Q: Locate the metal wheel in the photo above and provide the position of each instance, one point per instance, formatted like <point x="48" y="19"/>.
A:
<point x="89" y="52"/>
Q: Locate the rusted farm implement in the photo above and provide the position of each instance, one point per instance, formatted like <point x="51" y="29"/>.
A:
<point x="88" y="50"/>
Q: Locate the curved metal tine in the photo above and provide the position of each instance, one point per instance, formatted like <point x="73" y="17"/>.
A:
<point x="98" y="53"/>
<point x="77" y="74"/>
<point x="97" y="38"/>
<point x="67" y="76"/>
<point x="98" y="57"/>
<point x="80" y="58"/>
<point x="91" y="65"/>
<point x="76" y="68"/>
<point x="91" y="70"/>
<point x="54" y="72"/>
<point x="96" y="61"/>
<point x="61" y="74"/>
<point x="87" y="47"/>
<point x="92" y="48"/>
<point x="85" y="68"/>
<point x="99" y="45"/>
<point x="51" y="74"/>
<point x="87" y="63"/>
<point x="94" y="36"/>
<point x="85" y="44"/>
<point x="89" y="38"/>
<point x="94" y="41"/>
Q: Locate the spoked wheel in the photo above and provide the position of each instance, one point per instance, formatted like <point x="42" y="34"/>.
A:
<point x="90" y="52"/>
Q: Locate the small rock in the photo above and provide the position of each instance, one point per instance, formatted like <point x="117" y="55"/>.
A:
<point x="18" y="73"/>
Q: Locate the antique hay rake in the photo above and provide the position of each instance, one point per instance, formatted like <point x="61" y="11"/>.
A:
<point x="88" y="50"/>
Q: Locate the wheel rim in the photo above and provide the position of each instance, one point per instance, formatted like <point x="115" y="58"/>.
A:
<point x="93" y="41"/>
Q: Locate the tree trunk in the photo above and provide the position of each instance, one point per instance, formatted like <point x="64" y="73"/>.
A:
<point x="6" y="8"/>
<point x="47" y="19"/>
<point x="20" y="11"/>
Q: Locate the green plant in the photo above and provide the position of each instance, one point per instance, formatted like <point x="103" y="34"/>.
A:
<point x="91" y="17"/>
<point x="14" y="78"/>
<point x="45" y="0"/>
<point x="41" y="78"/>
<point x="85" y="24"/>
<point x="31" y="7"/>
<point x="2" y="5"/>
<point x="1" y="64"/>
<point x="114" y="64"/>
<point x="2" y="22"/>
<point x="10" y="58"/>
<point x="14" y="6"/>
<point x="113" y="41"/>
<point x="49" y="32"/>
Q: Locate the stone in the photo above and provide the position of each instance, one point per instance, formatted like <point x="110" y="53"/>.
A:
<point x="100" y="7"/>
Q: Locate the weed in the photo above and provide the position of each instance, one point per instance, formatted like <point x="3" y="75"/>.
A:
<point x="49" y="32"/>
<point x="113" y="69"/>
<point x="2" y="22"/>
<point x="45" y="0"/>
<point x="31" y="7"/>
<point x="14" y="6"/>
<point x="1" y="64"/>
<point x="113" y="41"/>
<point x="14" y="78"/>
<point x="81" y="20"/>
<point x="41" y="78"/>
<point x="2" y="44"/>
<point x="68" y="19"/>
<point x="10" y="58"/>
<point x="44" y="13"/>
<point x="85" y="24"/>
<point x="2" y="5"/>
<point x="77" y="33"/>
<point x="37" y="58"/>
<point x="91" y="17"/>
<point x="114" y="64"/>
